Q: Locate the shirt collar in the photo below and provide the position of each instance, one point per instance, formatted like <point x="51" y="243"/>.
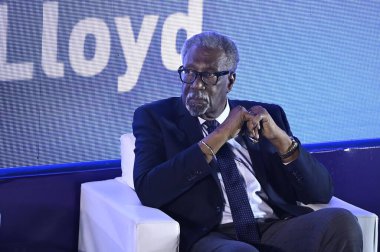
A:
<point x="221" y="118"/>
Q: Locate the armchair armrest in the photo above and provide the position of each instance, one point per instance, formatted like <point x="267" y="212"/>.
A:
<point x="368" y="221"/>
<point x="113" y="219"/>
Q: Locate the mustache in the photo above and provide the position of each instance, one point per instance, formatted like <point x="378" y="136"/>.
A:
<point x="197" y="95"/>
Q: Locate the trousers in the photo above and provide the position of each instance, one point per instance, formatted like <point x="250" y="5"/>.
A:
<point x="327" y="230"/>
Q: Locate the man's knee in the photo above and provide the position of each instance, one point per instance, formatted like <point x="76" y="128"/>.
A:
<point x="344" y="221"/>
<point x="344" y="229"/>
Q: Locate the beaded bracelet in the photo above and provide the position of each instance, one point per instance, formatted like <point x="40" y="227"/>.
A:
<point x="290" y="151"/>
<point x="209" y="148"/>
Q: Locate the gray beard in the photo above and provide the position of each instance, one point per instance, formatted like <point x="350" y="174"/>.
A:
<point x="197" y="109"/>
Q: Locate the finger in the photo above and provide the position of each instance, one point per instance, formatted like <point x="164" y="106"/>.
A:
<point x="248" y="126"/>
<point x="258" y="123"/>
<point x="256" y="118"/>
<point x="251" y="128"/>
<point x="241" y="108"/>
<point x="261" y="112"/>
<point x="256" y="134"/>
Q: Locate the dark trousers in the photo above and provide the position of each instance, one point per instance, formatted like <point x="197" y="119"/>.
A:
<point x="327" y="230"/>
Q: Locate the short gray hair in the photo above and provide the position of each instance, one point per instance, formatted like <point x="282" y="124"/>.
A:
<point x="214" y="40"/>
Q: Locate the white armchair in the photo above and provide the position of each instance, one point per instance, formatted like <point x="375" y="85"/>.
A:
<point x="113" y="219"/>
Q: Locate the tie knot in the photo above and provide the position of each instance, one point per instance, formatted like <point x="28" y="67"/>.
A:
<point x="211" y="125"/>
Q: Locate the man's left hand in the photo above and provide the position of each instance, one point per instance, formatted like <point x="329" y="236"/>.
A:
<point x="260" y="123"/>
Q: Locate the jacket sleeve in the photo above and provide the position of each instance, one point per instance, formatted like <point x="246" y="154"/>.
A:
<point x="309" y="179"/>
<point x="161" y="175"/>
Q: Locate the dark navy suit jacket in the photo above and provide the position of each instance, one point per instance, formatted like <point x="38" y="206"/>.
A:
<point x="171" y="173"/>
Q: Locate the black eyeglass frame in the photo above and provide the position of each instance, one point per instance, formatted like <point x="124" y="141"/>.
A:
<point x="217" y="74"/>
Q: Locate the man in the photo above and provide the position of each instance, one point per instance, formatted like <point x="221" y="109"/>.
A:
<point x="230" y="171"/>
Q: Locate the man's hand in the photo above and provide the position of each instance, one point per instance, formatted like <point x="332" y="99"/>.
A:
<point x="260" y="123"/>
<point x="234" y="122"/>
<point x="227" y="130"/>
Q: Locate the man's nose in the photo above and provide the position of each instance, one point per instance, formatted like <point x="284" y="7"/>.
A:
<point x="198" y="83"/>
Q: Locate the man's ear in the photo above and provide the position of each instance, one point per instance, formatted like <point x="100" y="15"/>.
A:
<point x="231" y="81"/>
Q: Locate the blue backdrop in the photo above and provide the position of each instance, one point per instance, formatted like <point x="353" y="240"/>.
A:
<point x="73" y="72"/>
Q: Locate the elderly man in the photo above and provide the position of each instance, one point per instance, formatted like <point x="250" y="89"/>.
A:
<point x="229" y="171"/>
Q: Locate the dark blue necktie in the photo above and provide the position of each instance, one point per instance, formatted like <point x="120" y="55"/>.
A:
<point x="242" y="215"/>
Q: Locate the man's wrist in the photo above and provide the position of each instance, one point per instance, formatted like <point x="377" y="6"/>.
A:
<point x="282" y="142"/>
<point x="290" y="150"/>
<point x="210" y="151"/>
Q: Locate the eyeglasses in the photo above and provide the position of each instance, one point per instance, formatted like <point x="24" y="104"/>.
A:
<point x="188" y="76"/>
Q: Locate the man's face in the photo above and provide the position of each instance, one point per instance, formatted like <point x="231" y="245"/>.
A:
<point x="209" y="101"/>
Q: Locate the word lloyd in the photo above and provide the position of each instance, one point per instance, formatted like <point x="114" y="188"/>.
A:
<point x="135" y="50"/>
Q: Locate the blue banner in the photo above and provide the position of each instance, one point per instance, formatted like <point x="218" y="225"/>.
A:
<point x="73" y="72"/>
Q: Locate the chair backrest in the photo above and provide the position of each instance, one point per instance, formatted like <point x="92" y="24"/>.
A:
<point x="127" y="146"/>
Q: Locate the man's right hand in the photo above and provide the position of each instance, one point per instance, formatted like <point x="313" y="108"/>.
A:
<point x="234" y="122"/>
<point x="230" y="128"/>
